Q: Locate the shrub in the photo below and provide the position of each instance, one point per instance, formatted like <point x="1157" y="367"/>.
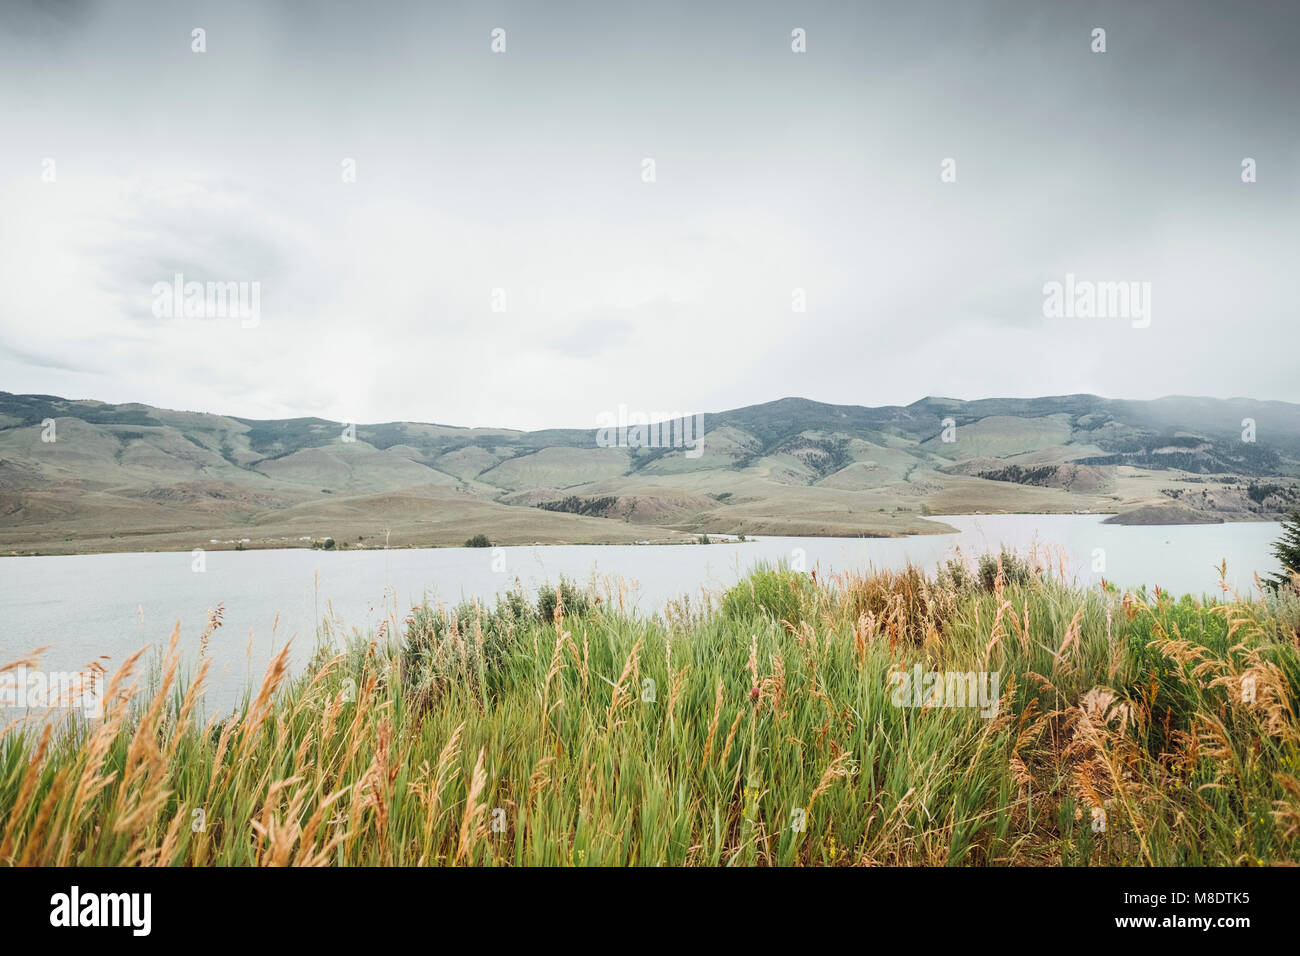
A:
<point x="576" y="602"/>
<point x="779" y="592"/>
<point x="478" y="541"/>
<point x="465" y="645"/>
<point x="1284" y="607"/>
<point x="956" y="577"/>
<point x="469" y="644"/>
<point x="1016" y="571"/>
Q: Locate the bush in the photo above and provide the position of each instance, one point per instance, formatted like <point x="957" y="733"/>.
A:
<point x="779" y="592"/>
<point x="1016" y="571"/>
<point x="464" y="645"/>
<point x="478" y="541"/>
<point x="576" y="602"/>
<point x="469" y="644"/>
<point x="956" y="577"/>
<point x="1284" y="607"/>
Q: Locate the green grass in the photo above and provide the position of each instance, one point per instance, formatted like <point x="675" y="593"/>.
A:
<point x="761" y="731"/>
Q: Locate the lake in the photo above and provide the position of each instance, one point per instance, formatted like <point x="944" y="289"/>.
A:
<point x="86" y="606"/>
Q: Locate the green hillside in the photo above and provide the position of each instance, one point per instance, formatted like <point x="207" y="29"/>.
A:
<point x="127" y="477"/>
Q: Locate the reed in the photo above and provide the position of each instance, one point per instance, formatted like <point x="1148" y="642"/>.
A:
<point x="761" y="729"/>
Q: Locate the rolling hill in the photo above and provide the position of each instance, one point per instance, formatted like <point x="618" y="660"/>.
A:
<point x="135" y="477"/>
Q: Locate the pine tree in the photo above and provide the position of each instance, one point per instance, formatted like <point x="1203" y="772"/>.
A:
<point x="1287" y="550"/>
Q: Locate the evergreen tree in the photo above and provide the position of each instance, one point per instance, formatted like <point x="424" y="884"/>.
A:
<point x="1287" y="550"/>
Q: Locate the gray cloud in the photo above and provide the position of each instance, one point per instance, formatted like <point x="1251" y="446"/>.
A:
<point x="38" y="361"/>
<point x="47" y="20"/>
<point x="522" y="171"/>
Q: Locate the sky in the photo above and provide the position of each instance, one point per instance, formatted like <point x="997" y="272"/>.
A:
<point x="502" y="260"/>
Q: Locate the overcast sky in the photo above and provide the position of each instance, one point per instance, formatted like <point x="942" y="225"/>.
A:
<point x="522" y="171"/>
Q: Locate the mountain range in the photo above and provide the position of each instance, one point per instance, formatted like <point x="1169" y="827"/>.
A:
<point x="82" y="476"/>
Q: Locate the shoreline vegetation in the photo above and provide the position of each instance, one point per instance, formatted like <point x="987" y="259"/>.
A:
<point x="762" y="727"/>
<point x="330" y="544"/>
<point x="1141" y="518"/>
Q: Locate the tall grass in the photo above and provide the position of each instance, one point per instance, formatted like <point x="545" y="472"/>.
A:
<point x="1132" y="729"/>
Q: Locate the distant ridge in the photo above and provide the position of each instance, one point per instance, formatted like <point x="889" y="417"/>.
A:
<point x="133" y="476"/>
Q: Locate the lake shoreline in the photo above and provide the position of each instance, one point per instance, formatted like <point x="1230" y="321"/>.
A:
<point x="1139" y="517"/>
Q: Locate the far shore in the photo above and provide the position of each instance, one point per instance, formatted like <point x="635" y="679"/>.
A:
<point x="186" y="541"/>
